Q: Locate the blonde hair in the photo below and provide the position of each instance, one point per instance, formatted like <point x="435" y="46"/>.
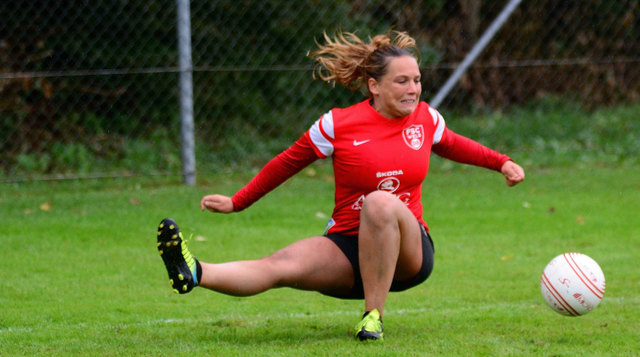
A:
<point x="347" y="60"/>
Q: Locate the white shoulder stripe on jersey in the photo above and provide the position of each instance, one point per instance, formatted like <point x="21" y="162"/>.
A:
<point x="327" y="124"/>
<point x="321" y="132"/>
<point x="439" y="123"/>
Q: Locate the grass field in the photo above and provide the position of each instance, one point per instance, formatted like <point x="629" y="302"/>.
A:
<point x="80" y="275"/>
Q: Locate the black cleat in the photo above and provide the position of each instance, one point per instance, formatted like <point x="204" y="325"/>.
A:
<point x="179" y="262"/>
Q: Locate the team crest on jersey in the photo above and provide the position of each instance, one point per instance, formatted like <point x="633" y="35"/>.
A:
<point x="414" y="136"/>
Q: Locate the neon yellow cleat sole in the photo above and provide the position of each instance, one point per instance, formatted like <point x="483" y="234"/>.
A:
<point x="180" y="264"/>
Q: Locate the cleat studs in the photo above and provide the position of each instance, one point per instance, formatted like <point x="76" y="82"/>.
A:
<point x="176" y="291"/>
<point x="184" y="287"/>
<point x="158" y="244"/>
<point x="174" y="236"/>
<point x="180" y="276"/>
<point x="175" y="242"/>
<point x="171" y="227"/>
<point x="161" y="225"/>
<point x="159" y="233"/>
<point x="168" y="244"/>
<point x="161" y="251"/>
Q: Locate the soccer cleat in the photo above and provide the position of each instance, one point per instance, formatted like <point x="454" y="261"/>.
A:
<point x="370" y="327"/>
<point x="179" y="262"/>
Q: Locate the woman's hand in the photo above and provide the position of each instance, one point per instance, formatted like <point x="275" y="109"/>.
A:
<point x="512" y="172"/>
<point x="217" y="203"/>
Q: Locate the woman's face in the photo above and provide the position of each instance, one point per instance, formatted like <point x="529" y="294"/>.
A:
<point x="398" y="92"/>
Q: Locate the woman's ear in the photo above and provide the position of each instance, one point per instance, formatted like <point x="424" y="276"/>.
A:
<point x="373" y="86"/>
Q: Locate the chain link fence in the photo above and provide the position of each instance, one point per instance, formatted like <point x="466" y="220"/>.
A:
<point x="90" y="89"/>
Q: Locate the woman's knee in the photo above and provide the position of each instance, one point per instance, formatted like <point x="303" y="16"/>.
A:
<point x="380" y="206"/>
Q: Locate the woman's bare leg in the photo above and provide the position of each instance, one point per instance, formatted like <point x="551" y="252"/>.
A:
<point x="314" y="263"/>
<point x="390" y="246"/>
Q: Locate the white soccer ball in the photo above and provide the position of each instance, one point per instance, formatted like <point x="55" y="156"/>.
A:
<point x="572" y="284"/>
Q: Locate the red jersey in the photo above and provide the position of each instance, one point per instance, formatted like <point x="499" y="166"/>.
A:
<point x="370" y="152"/>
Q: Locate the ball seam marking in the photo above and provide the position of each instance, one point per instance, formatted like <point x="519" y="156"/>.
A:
<point x="556" y="295"/>
<point x="582" y="276"/>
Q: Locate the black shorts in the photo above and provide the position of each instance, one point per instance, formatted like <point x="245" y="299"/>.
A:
<point x="349" y="246"/>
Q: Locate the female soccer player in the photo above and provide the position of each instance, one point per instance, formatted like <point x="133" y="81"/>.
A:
<point x="376" y="240"/>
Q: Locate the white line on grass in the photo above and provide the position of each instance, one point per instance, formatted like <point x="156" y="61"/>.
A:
<point x="290" y="315"/>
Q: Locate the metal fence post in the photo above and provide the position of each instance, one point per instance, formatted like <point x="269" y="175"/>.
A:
<point x="186" y="93"/>
<point x="475" y="52"/>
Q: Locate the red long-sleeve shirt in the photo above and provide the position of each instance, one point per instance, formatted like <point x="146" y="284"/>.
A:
<point x="370" y="152"/>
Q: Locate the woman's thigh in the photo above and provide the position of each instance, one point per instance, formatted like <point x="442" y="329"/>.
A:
<point x="314" y="263"/>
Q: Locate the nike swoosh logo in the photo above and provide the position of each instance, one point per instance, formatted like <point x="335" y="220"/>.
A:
<point x="358" y="143"/>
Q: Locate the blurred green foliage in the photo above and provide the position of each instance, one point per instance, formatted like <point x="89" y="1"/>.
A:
<point x="91" y="86"/>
